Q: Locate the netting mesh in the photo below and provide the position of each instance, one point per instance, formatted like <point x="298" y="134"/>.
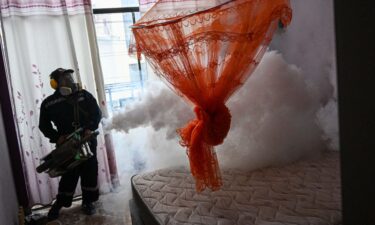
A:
<point x="205" y="50"/>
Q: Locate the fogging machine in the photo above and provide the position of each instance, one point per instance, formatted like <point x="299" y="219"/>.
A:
<point x="72" y="152"/>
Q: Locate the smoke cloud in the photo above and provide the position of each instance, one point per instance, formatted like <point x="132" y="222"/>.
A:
<point x="276" y="119"/>
<point x="158" y="108"/>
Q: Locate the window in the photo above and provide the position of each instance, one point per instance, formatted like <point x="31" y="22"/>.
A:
<point x="124" y="75"/>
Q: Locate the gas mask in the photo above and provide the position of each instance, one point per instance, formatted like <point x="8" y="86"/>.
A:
<point x="67" y="86"/>
<point x="65" y="91"/>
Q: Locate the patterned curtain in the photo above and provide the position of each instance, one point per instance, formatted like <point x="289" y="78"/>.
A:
<point x="40" y="36"/>
<point x="44" y="7"/>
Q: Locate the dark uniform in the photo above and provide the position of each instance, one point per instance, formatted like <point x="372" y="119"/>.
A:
<point x="59" y="110"/>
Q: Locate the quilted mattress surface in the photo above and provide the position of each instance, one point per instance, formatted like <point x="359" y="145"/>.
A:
<point x="302" y="193"/>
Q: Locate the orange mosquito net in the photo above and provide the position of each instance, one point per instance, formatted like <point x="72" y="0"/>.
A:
<point x="205" y="50"/>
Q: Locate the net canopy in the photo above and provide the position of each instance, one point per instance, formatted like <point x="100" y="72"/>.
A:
<point x="205" y="50"/>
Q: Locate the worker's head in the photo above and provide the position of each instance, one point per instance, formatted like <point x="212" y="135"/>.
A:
<point x="63" y="80"/>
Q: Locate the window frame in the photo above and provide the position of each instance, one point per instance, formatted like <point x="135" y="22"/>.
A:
<point x="132" y="10"/>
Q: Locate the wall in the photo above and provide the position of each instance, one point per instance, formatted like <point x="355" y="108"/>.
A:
<point x="8" y="198"/>
<point x="355" y="60"/>
<point x="309" y="43"/>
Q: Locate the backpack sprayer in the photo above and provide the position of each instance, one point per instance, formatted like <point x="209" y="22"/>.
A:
<point x="71" y="153"/>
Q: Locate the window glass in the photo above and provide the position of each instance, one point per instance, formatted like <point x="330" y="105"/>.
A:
<point x="124" y="75"/>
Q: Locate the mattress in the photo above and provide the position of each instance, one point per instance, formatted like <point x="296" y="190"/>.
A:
<point x="302" y="193"/>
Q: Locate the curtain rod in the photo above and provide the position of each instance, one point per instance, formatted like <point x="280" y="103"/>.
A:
<point x="115" y="10"/>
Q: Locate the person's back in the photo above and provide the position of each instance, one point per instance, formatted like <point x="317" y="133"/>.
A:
<point x="61" y="113"/>
<point x="59" y="109"/>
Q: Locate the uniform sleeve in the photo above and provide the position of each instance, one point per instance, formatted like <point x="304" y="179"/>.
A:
<point x="95" y="115"/>
<point x="45" y="125"/>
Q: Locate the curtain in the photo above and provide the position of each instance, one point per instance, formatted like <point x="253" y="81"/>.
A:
<point x="205" y="51"/>
<point x="145" y="5"/>
<point x="40" y="36"/>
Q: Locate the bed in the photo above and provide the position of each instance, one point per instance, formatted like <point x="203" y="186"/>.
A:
<point x="303" y="193"/>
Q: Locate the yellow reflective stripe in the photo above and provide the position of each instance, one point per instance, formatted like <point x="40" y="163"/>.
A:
<point x="66" y="193"/>
<point x="90" y="188"/>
